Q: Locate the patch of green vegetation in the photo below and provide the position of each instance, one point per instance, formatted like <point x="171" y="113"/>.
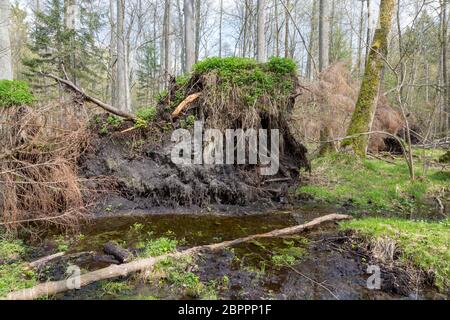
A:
<point x="11" y="250"/>
<point x="14" y="93"/>
<point x="157" y="247"/>
<point x="144" y="116"/>
<point x="114" y="121"/>
<point x="288" y="256"/>
<point x="15" y="276"/>
<point x="273" y="79"/>
<point x="175" y="275"/>
<point x="188" y="122"/>
<point x="424" y="244"/>
<point x="373" y="184"/>
<point x="115" y="288"/>
<point x="62" y="244"/>
<point x="147" y="113"/>
<point x="182" y="80"/>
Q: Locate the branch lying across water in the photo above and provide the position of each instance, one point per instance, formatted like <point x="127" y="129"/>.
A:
<point x="114" y="271"/>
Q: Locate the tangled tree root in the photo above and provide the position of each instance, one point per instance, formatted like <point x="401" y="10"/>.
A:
<point x="38" y="172"/>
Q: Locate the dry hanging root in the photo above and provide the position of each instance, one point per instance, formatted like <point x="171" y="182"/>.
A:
<point x="114" y="271"/>
<point x="38" y="172"/>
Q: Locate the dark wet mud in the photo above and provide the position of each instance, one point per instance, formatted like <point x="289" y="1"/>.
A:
<point x="323" y="266"/>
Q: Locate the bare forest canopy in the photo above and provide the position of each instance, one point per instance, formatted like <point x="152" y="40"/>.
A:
<point x="125" y="52"/>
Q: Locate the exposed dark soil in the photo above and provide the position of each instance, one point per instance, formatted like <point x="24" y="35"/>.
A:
<point x="134" y="171"/>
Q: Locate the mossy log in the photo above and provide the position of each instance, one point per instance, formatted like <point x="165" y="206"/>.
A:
<point x="114" y="271"/>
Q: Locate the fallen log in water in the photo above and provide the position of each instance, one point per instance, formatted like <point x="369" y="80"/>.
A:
<point x="121" y="254"/>
<point x="114" y="271"/>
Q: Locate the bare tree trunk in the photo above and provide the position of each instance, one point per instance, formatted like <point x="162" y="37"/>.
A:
<point x="368" y="95"/>
<point x="277" y="30"/>
<point x="360" y="39"/>
<point x="197" y="20"/>
<point x="286" y="29"/>
<point x="261" y="49"/>
<point x="312" y="35"/>
<point x="5" y="44"/>
<point x="444" y="44"/>
<point x="121" y="78"/>
<point x="189" y="34"/>
<point x="369" y="32"/>
<point x="167" y="43"/>
<point x="220" y="28"/>
<point x="113" y="52"/>
<point x="324" y="34"/>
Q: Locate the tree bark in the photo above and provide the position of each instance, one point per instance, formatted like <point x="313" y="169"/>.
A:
<point x="368" y="95"/>
<point x="197" y="20"/>
<point x="445" y="83"/>
<point x="5" y="44"/>
<point x="121" y="77"/>
<point x="261" y="37"/>
<point x="324" y="34"/>
<point x="113" y="52"/>
<point x="312" y="35"/>
<point x="167" y="43"/>
<point x="286" y="29"/>
<point x="189" y="30"/>
<point x="114" y="271"/>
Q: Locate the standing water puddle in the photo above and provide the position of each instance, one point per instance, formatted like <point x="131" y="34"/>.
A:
<point x="303" y="266"/>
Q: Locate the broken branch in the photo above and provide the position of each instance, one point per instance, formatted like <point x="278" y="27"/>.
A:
<point x="185" y="103"/>
<point x="87" y="97"/>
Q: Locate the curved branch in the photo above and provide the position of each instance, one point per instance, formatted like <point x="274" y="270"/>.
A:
<point x="87" y="97"/>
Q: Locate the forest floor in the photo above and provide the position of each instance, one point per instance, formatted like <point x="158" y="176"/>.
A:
<point x="382" y="185"/>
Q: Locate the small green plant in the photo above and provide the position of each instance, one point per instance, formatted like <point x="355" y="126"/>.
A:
<point x="182" y="80"/>
<point x="14" y="93"/>
<point x="147" y="113"/>
<point x="157" y="247"/>
<point x="288" y="256"/>
<point x="188" y="122"/>
<point x="62" y="244"/>
<point x="115" y="288"/>
<point x="144" y="116"/>
<point x="114" y="121"/>
<point x="137" y="227"/>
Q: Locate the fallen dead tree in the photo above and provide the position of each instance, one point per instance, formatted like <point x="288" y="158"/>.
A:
<point x="114" y="271"/>
<point x="72" y="87"/>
